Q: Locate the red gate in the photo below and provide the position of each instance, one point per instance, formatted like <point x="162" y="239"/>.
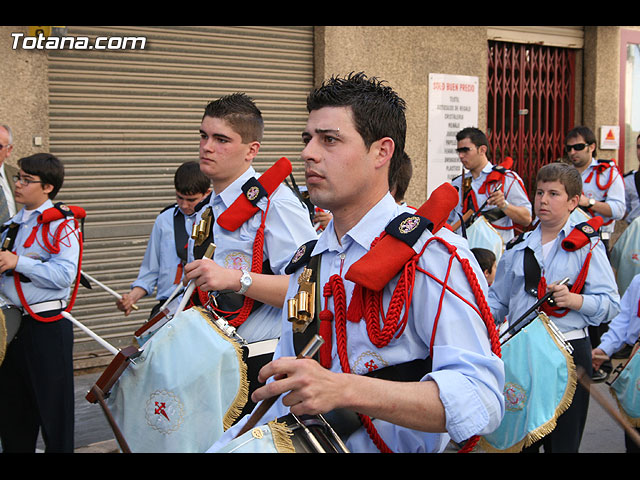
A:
<point x="530" y="104"/>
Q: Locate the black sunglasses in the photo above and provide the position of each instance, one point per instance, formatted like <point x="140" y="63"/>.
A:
<point x="576" y="146"/>
<point x="463" y="149"/>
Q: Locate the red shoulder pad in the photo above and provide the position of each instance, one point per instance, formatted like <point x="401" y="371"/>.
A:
<point x="497" y="174"/>
<point x="387" y="257"/>
<point x="60" y="211"/>
<point x="242" y="209"/>
<point x="582" y="233"/>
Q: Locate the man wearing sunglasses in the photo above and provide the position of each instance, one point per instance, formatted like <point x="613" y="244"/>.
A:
<point x="602" y="185"/>
<point x="503" y="203"/>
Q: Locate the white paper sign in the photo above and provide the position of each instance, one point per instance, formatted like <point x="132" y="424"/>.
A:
<point x="453" y="105"/>
<point x="609" y="137"/>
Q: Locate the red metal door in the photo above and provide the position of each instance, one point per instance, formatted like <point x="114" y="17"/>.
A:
<point x="530" y="104"/>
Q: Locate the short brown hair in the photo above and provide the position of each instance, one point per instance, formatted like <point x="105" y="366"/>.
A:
<point x="566" y="174"/>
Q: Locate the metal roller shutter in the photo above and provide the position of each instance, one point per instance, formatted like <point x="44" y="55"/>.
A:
<point x="122" y="121"/>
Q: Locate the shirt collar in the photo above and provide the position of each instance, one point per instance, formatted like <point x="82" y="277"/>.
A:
<point x="18" y="217"/>
<point x="370" y="226"/>
<point x="234" y="190"/>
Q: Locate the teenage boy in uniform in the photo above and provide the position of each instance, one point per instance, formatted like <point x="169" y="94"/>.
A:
<point x="166" y="253"/>
<point x="589" y="301"/>
<point x="36" y="377"/>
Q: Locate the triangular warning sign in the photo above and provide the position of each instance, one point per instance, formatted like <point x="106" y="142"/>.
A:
<point x="611" y="135"/>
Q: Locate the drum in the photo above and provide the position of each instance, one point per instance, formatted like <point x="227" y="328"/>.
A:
<point x="540" y="380"/>
<point x="625" y="256"/>
<point x="184" y="389"/>
<point x="625" y="388"/>
<point x="480" y="234"/>
<point x="10" y="319"/>
<point x="289" y="434"/>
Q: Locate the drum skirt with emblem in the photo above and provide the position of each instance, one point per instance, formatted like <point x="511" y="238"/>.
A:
<point x="626" y="390"/>
<point x="185" y="389"/>
<point x="480" y="234"/>
<point x="540" y="380"/>
<point x="625" y="256"/>
<point x="273" y="437"/>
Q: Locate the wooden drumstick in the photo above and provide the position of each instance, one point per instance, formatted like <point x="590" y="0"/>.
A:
<point x="309" y="351"/>
<point x="586" y="382"/>
<point x="105" y="288"/>
<point x="191" y="285"/>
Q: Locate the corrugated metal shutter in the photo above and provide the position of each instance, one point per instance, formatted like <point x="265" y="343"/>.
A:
<point x="123" y="121"/>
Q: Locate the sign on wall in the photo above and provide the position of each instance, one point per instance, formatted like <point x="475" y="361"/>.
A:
<point x="453" y="105"/>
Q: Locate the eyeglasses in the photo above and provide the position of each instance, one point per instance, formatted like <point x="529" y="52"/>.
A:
<point x="576" y="146"/>
<point x="463" y="149"/>
<point x="4" y="146"/>
<point x="23" y="181"/>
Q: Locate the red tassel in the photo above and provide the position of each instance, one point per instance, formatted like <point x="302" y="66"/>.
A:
<point x="325" y="331"/>
<point x="355" y="312"/>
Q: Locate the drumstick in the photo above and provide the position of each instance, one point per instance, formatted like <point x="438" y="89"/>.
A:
<point x="107" y="289"/>
<point x="308" y="351"/>
<point x="171" y="297"/>
<point x="191" y="286"/>
<point x="586" y="382"/>
<point x="102" y="342"/>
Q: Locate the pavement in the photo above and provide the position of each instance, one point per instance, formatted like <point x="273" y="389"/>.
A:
<point x="603" y="434"/>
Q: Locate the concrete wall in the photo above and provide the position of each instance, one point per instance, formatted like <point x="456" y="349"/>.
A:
<point x="25" y="94"/>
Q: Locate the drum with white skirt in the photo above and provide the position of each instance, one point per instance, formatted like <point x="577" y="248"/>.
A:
<point x="625" y="388"/>
<point x="10" y="320"/>
<point x="185" y="388"/>
<point x="540" y="381"/>
<point x="289" y="434"/>
<point x="480" y="234"/>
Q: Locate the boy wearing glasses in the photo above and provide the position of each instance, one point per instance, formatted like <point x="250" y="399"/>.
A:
<point x="36" y="275"/>
<point x="503" y="206"/>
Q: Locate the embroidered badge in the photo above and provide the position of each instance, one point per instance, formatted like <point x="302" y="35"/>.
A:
<point x="253" y="193"/>
<point x="164" y="412"/>
<point x="368" y="362"/>
<point x="237" y="260"/>
<point x="587" y="229"/>
<point x="515" y="397"/>
<point x="299" y="254"/>
<point x="409" y="224"/>
<point x="257" y="433"/>
<point x="635" y="257"/>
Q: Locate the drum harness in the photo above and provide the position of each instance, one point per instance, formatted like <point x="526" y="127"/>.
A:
<point x="366" y="301"/>
<point x="70" y="214"/>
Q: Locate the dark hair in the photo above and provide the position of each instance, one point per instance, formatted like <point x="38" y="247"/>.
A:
<point x="400" y="176"/>
<point x="241" y="113"/>
<point x="584" y="132"/>
<point x="377" y="110"/>
<point x="46" y="166"/>
<point x="189" y="180"/>
<point x="566" y="174"/>
<point x="475" y="136"/>
<point x="486" y="258"/>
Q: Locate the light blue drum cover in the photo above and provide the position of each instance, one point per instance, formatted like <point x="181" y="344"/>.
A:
<point x="625" y="256"/>
<point x="185" y="389"/>
<point x="273" y="437"/>
<point x="578" y="216"/>
<point x="540" y="380"/>
<point x="626" y="390"/>
<point x="480" y="234"/>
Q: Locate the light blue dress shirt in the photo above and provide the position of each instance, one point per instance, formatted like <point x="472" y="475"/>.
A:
<point x="513" y="193"/>
<point x="287" y="227"/>
<point x="470" y="377"/>
<point x="51" y="275"/>
<point x="631" y="197"/>
<point x="614" y="196"/>
<point x="625" y="327"/>
<point x="508" y="299"/>
<point x="160" y="262"/>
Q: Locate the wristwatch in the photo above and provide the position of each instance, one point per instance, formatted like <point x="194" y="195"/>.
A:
<point x="592" y="202"/>
<point x="245" y="282"/>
